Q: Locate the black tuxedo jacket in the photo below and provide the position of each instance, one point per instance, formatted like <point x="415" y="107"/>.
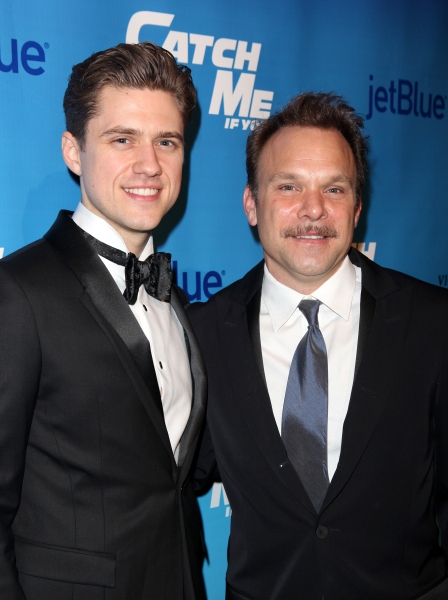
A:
<point x="376" y="536"/>
<point x="92" y="503"/>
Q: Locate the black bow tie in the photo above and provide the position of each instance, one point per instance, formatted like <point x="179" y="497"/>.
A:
<point x="154" y="273"/>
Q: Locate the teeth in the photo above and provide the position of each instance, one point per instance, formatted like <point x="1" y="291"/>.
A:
<point x="141" y="191"/>
<point x="310" y="237"/>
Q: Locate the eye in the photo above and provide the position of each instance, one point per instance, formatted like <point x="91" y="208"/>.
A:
<point x="288" y="187"/>
<point x="334" y="190"/>
<point x="166" y="143"/>
<point x="122" y="141"/>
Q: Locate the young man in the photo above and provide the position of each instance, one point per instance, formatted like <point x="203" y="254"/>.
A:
<point x="328" y="385"/>
<point x="102" y="383"/>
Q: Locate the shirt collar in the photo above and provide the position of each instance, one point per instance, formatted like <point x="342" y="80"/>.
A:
<point x="102" y="231"/>
<point x="336" y="293"/>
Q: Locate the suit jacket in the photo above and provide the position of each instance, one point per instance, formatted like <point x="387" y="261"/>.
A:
<point x="92" y="502"/>
<point x="376" y="536"/>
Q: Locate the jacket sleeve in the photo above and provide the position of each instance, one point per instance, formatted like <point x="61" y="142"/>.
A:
<point x="441" y="450"/>
<point x="19" y="383"/>
<point x="206" y="470"/>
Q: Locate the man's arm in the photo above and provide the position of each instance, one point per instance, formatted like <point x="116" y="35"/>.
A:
<point x="20" y="363"/>
<point x="206" y="470"/>
<point x="441" y="458"/>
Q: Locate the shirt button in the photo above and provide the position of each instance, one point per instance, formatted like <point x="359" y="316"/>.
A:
<point x="322" y="532"/>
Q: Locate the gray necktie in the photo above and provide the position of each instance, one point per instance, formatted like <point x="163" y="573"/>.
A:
<point x="305" y="411"/>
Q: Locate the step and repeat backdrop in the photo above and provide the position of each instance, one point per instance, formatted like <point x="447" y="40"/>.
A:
<point x="388" y="59"/>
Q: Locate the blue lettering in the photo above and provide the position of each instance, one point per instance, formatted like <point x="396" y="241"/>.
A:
<point x="14" y="64"/>
<point x="27" y="55"/>
<point x="369" y="114"/>
<point x="380" y="96"/>
<point x="402" y="97"/>
<point x="405" y="98"/>
<point x="439" y="104"/>
<point x="212" y="279"/>
<point x="196" y="295"/>
<point x="428" y="112"/>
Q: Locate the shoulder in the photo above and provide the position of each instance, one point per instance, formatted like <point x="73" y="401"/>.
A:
<point x="240" y="292"/>
<point x="382" y="281"/>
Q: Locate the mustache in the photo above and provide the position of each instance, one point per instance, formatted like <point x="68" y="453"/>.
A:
<point x="322" y="230"/>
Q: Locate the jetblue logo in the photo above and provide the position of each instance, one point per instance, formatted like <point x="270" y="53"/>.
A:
<point x="405" y="97"/>
<point x="369" y="251"/>
<point x="197" y="286"/>
<point x="218" y="494"/>
<point x="29" y="56"/>
<point x="234" y="94"/>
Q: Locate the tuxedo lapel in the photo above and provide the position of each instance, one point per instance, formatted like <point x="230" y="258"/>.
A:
<point x="246" y="373"/>
<point x="199" y="383"/>
<point x="386" y="306"/>
<point x="104" y="300"/>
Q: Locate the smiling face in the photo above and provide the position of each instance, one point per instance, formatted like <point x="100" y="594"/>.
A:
<point x="131" y="166"/>
<point x="305" y="209"/>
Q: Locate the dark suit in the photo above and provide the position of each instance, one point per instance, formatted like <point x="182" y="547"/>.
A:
<point x="92" y="503"/>
<point x="375" y="537"/>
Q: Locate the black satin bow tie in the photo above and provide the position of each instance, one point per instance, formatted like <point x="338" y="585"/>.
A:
<point x="154" y="273"/>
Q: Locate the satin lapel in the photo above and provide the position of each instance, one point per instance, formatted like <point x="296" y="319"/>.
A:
<point x="249" y="385"/>
<point x="253" y="324"/>
<point x="67" y="240"/>
<point x="199" y="381"/>
<point x="383" y="342"/>
<point x="365" y="321"/>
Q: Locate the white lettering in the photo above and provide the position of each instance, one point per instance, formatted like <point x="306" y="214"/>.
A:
<point x="217" y="490"/>
<point x="226" y="124"/>
<point x="201" y="42"/>
<point x="1" y="252"/>
<point x="261" y="104"/>
<point x="234" y="123"/>
<point x="177" y="43"/>
<point x="246" y="123"/>
<point x="224" y="92"/>
<point x="218" y="58"/>
<point x="145" y="17"/>
<point x="252" y="57"/>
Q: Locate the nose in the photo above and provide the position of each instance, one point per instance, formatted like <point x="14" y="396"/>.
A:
<point x="312" y="206"/>
<point x="146" y="161"/>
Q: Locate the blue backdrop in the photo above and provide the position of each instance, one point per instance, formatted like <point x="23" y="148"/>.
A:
<point x="389" y="59"/>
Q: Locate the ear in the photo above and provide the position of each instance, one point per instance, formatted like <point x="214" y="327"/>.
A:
<point x="358" y="212"/>
<point x="71" y="152"/>
<point x="250" y="206"/>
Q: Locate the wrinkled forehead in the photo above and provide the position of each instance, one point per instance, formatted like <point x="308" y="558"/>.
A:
<point x="304" y="150"/>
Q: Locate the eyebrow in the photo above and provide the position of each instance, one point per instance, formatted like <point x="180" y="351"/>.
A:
<point x="282" y="175"/>
<point x="129" y="131"/>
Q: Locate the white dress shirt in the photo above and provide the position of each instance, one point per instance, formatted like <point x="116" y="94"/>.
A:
<point x="160" y="325"/>
<point x="282" y="326"/>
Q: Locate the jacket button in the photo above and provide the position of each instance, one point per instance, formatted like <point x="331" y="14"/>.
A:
<point x="322" y="532"/>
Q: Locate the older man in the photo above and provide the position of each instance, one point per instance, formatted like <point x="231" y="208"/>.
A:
<point x="328" y="378"/>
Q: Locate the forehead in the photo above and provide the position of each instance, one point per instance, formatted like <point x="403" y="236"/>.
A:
<point x="125" y="103"/>
<point x="307" y="147"/>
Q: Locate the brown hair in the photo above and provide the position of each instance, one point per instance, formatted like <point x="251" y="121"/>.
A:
<point x="320" y="111"/>
<point x="139" y="66"/>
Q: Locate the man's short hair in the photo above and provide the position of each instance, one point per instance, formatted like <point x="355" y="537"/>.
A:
<point x="140" y="66"/>
<point x="319" y="111"/>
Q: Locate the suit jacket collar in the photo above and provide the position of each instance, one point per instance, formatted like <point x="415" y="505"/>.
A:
<point x="382" y="325"/>
<point x="105" y="301"/>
